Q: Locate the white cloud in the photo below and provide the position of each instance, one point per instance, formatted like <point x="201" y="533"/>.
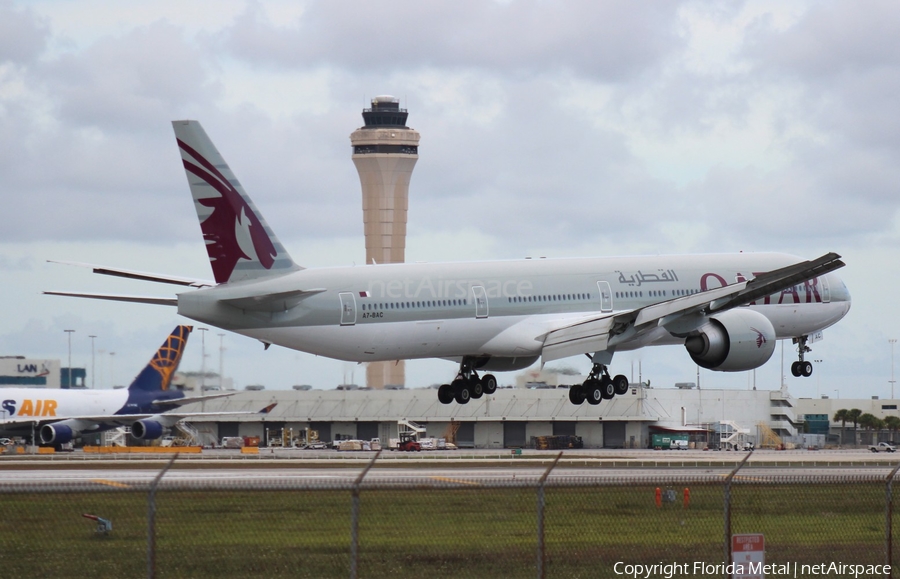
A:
<point x="578" y="129"/>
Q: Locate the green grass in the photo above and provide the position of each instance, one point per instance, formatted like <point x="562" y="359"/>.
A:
<point x="470" y="532"/>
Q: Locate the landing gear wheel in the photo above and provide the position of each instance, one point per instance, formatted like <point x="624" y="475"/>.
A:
<point x="607" y="388"/>
<point x="593" y="392"/>
<point x="489" y="383"/>
<point x="806" y="369"/>
<point x="576" y="394"/>
<point x="463" y="392"/>
<point x="477" y="389"/>
<point x="445" y="394"/>
<point x="620" y="384"/>
<point x="795" y="369"/>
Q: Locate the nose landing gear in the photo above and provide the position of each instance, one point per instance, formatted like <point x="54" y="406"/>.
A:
<point x="467" y="385"/>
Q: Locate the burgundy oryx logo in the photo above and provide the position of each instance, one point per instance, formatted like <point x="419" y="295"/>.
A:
<point x="231" y="213"/>
<point x="760" y="338"/>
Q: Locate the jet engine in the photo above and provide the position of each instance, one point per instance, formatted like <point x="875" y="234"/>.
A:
<point x="146" y="429"/>
<point x="732" y="341"/>
<point x="56" y="434"/>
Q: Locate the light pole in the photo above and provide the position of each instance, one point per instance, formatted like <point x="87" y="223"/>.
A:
<point x="892" y="341"/>
<point x="69" y="370"/>
<point x="112" y="369"/>
<point x="838" y="392"/>
<point x="92" y="362"/>
<point x="203" y="358"/>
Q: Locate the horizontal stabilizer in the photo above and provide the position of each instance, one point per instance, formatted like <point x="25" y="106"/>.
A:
<point x="274" y="302"/>
<point x="140" y="275"/>
<point x="120" y="298"/>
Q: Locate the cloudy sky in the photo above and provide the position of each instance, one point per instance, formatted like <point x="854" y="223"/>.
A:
<point x="548" y="129"/>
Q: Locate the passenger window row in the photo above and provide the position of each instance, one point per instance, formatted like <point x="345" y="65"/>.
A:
<point x="414" y="305"/>
<point x="548" y="298"/>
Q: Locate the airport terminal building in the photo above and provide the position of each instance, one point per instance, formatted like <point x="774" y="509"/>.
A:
<point x="510" y="417"/>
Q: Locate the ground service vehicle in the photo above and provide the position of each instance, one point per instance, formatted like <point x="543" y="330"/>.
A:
<point x="882" y="447"/>
<point x="408" y="443"/>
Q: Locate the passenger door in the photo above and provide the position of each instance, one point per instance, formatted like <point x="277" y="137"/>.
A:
<point x="348" y="308"/>
<point x="606" y="303"/>
<point x="481" y="303"/>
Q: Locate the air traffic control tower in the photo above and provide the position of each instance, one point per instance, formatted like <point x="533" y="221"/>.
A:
<point x="385" y="151"/>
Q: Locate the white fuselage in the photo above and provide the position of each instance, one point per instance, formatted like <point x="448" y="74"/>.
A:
<point x="44" y="404"/>
<point x="498" y="309"/>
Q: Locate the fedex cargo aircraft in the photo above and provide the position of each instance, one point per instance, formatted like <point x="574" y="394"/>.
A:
<point x="487" y="316"/>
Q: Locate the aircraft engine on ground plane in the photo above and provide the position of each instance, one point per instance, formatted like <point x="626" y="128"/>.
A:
<point x="146" y="429"/>
<point x="56" y="434"/>
<point x="733" y="341"/>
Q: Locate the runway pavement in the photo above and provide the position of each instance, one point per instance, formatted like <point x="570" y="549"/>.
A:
<point x="228" y="469"/>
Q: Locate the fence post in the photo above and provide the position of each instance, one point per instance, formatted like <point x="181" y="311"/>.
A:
<point x="889" y="515"/>
<point x="151" y="519"/>
<point x="540" y="516"/>
<point x="728" y="508"/>
<point x="354" y="518"/>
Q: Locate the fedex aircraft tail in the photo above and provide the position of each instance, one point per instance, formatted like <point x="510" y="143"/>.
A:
<point x="238" y="240"/>
<point x="157" y="375"/>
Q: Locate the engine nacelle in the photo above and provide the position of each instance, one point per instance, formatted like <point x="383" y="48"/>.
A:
<point x="56" y="434"/>
<point x="146" y="429"/>
<point x="733" y="341"/>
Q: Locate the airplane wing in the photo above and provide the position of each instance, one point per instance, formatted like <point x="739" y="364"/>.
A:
<point x="191" y="399"/>
<point x="143" y="276"/>
<point x="679" y="315"/>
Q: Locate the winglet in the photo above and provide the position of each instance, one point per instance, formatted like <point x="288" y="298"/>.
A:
<point x="268" y="408"/>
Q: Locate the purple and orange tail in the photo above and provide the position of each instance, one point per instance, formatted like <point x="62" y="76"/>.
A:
<point x="238" y="240"/>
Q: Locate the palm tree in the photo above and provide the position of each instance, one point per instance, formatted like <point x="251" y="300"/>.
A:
<point x="853" y="416"/>
<point x="870" y="422"/>
<point x="893" y="424"/>
<point x="841" y="416"/>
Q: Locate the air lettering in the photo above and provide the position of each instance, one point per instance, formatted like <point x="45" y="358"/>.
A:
<point x="31" y="407"/>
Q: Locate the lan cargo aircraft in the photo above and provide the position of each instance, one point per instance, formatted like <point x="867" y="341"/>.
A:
<point x="726" y="310"/>
<point x="58" y="416"/>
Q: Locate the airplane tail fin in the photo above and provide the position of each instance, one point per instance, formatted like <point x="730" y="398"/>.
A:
<point x="238" y="240"/>
<point x="157" y="375"/>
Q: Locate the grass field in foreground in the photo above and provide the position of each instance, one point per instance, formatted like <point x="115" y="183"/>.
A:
<point x="470" y="532"/>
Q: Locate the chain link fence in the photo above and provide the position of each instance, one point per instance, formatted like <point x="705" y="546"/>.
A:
<point x="442" y="526"/>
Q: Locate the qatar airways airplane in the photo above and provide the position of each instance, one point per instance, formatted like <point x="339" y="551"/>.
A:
<point x="58" y="416"/>
<point x="726" y="310"/>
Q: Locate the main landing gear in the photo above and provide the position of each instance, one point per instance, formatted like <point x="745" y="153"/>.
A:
<point x="467" y="385"/>
<point x="802" y="367"/>
<point x="598" y="386"/>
